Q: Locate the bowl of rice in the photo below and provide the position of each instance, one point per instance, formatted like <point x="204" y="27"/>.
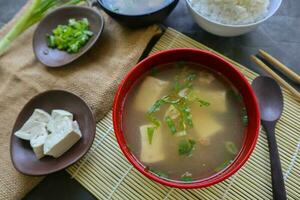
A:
<point x="231" y="17"/>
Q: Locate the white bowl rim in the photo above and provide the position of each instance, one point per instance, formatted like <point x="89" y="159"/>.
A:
<point x="237" y="25"/>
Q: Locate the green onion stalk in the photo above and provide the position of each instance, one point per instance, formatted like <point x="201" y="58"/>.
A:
<point x="37" y="10"/>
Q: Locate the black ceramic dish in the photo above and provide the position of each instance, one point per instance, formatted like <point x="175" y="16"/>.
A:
<point x="143" y="19"/>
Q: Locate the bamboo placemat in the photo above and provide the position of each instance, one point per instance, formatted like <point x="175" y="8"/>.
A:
<point x="106" y="173"/>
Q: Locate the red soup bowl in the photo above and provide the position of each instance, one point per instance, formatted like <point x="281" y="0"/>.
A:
<point x="215" y="63"/>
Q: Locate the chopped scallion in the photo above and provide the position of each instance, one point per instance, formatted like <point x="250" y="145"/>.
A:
<point x="158" y="173"/>
<point x="186" y="147"/>
<point x="231" y="147"/>
<point x="150" y="133"/>
<point x="171" y="125"/>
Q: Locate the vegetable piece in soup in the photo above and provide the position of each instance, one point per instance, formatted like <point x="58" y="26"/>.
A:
<point x="183" y="122"/>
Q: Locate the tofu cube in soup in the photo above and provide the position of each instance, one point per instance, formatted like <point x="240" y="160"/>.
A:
<point x="151" y="153"/>
<point x="217" y="99"/>
<point x="205" y="77"/>
<point x="205" y="125"/>
<point x="153" y="89"/>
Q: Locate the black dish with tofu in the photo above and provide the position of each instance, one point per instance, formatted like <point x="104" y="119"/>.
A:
<point x="184" y="122"/>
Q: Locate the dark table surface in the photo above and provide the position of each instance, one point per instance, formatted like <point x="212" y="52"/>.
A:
<point x="280" y="36"/>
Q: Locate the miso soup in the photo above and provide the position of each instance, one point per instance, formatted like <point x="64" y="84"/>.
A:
<point x="135" y="7"/>
<point x="184" y="122"/>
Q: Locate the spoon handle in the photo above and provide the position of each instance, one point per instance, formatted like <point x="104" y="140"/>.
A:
<point x="279" y="192"/>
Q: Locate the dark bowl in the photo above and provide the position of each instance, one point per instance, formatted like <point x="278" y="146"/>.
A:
<point x="54" y="57"/>
<point x="22" y="155"/>
<point x="142" y="19"/>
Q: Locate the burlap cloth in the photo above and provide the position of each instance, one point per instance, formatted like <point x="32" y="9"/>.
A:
<point x="94" y="77"/>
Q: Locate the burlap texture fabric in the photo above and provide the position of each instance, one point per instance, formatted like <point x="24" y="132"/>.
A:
<point x="94" y="77"/>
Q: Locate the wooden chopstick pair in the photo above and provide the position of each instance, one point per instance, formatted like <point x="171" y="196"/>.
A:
<point x="284" y="69"/>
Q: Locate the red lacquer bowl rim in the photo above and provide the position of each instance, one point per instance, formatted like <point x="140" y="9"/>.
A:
<point x="219" y="177"/>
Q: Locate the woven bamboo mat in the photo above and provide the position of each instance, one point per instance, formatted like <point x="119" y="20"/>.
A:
<point x="105" y="172"/>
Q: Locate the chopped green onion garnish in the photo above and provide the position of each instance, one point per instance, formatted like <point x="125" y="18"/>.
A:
<point x="235" y="95"/>
<point x="203" y="103"/>
<point x="153" y="119"/>
<point x="223" y="165"/>
<point x="71" y="37"/>
<point x="158" y="173"/>
<point x="244" y="117"/>
<point x="150" y="133"/>
<point x="171" y="125"/>
<point x="186" y="147"/>
<point x="186" y="177"/>
<point x="231" y="147"/>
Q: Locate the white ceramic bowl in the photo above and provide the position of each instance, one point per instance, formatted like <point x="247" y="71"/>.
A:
<point x="226" y="30"/>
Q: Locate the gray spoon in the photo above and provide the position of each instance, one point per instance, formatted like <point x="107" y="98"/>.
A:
<point x="270" y="101"/>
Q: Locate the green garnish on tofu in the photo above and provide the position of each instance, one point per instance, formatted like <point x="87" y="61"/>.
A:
<point x="150" y="133"/>
<point x="178" y="117"/>
<point x="171" y="125"/>
<point x="71" y="37"/>
<point x="186" y="147"/>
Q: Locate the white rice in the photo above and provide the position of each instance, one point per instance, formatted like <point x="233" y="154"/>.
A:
<point x="233" y="12"/>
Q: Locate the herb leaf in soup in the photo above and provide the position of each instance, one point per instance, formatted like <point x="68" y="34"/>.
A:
<point x="186" y="147"/>
<point x="150" y="133"/>
<point x="179" y="99"/>
<point x="235" y="95"/>
<point x="186" y="115"/>
<point x="231" y="147"/>
<point x="171" y="124"/>
<point x="186" y="177"/>
<point x="223" y="165"/>
<point x="151" y="118"/>
<point x="244" y="116"/>
<point x="158" y="173"/>
<point x="184" y="80"/>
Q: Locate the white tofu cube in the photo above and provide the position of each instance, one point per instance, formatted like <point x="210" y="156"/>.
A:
<point x="205" y="77"/>
<point x="38" y="139"/>
<point x="57" y="115"/>
<point x="40" y="116"/>
<point x="29" y="129"/>
<point x="151" y="153"/>
<point x="149" y="92"/>
<point x="205" y="125"/>
<point x="65" y="134"/>
<point x="217" y="99"/>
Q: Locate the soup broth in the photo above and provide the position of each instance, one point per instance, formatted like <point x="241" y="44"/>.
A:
<point x="184" y="122"/>
<point x="135" y="7"/>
